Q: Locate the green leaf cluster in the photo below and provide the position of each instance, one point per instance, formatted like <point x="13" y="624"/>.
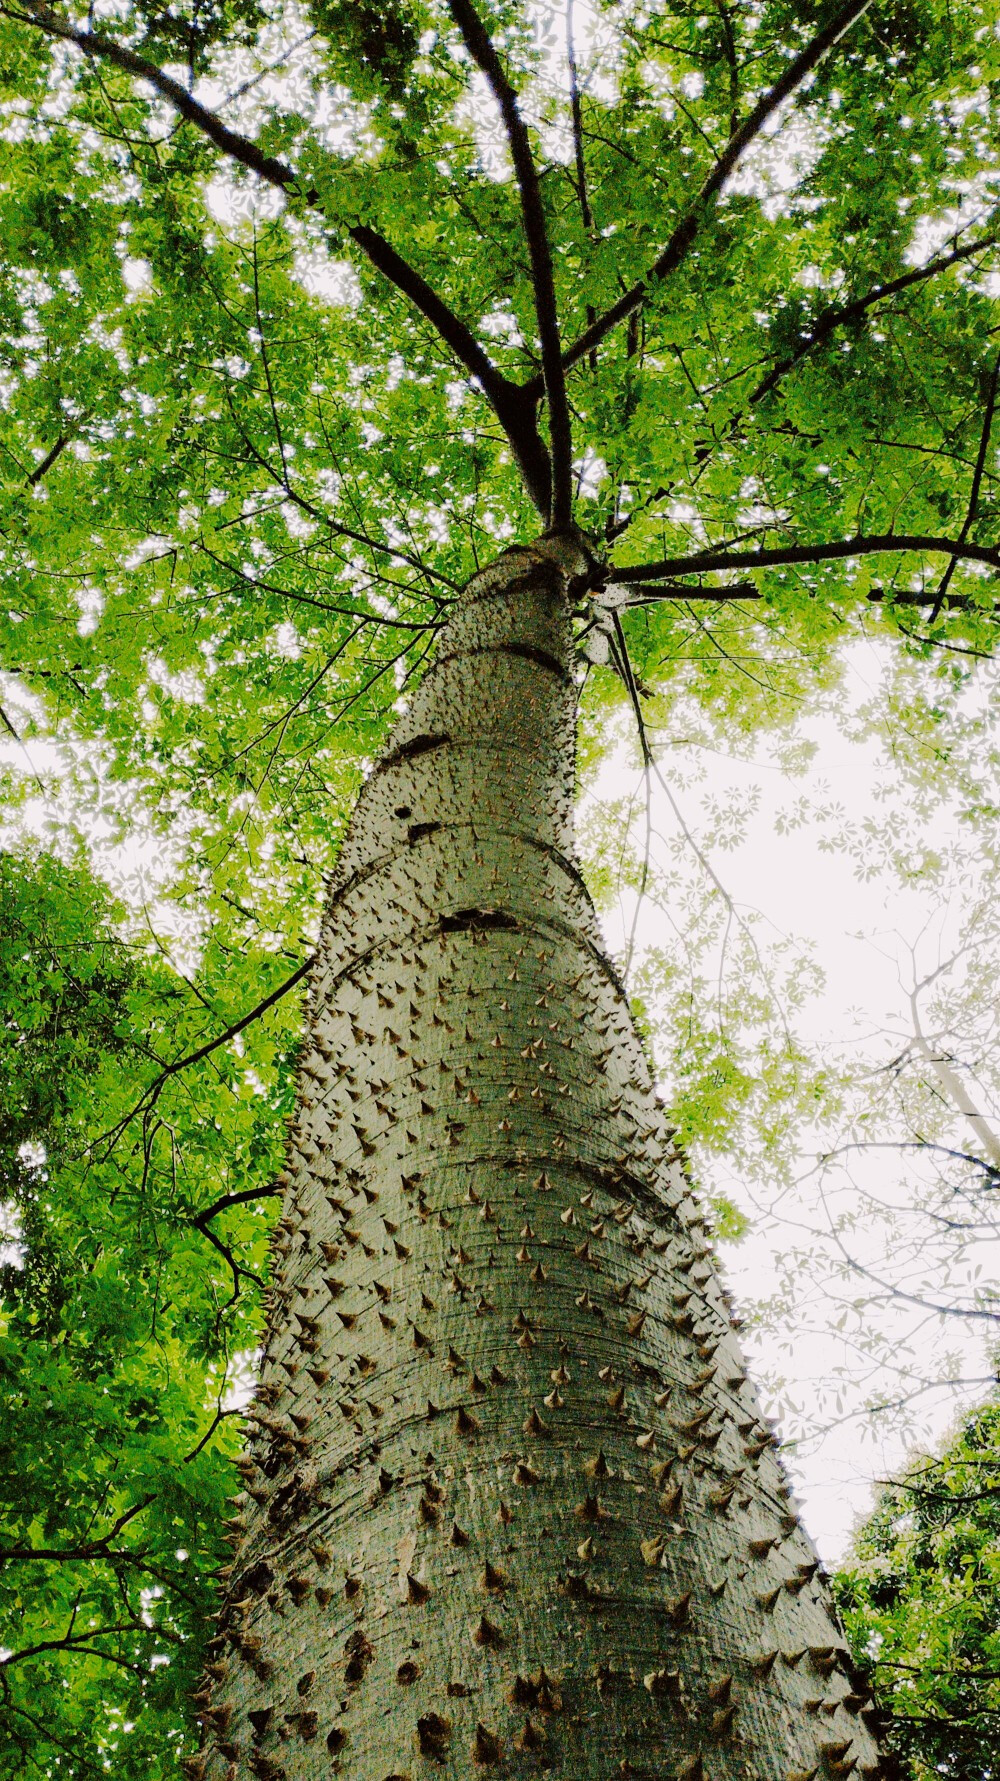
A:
<point x="125" y="1328"/>
<point x="920" y="1595"/>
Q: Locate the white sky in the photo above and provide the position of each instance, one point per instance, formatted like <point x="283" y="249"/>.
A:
<point x="860" y="934"/>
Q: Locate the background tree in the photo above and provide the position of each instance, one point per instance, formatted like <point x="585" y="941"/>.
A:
<point x="197" y="450"/>
<point x="119" y="1343"/>
<point x="919" y="1596"/>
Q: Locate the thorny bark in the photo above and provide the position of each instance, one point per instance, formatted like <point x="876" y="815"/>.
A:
<point x="509" y="1498"/>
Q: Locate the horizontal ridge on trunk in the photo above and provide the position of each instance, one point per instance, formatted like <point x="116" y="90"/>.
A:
<point x="509" y="1499"/>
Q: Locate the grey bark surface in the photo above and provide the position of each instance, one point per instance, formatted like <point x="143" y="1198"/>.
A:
<point x="509" y="1500"/>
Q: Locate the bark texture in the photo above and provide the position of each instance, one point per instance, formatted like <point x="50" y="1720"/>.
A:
<point x="510" y="1502"/>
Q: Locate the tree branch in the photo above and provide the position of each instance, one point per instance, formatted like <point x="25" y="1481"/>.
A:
<point x="839" y="315"/>
<point x="238" y="1199"/>
<point x="151" y="1094"/>
<point x="623" y="661"/>
<point x="977" y="481"/>
<point x="512" y="408"/>
<point x="79" y="1642"/>
<point x="238" y="1271"/>
<point x="49" y="459"/>
<point x="219" y="1417"/>
<point x="826" y="324"/>
<point x="836" y="549"/>
<point x="576" y="112"/>
<point x="682" y="239"/>
<point x="90" y="1548"/>
<point x="647" y="596"/>
<point x="729" y="47"/>
<point x="948" y="1079"/>
<point x="553" y="383"/>
<point x="239" y="1026"/>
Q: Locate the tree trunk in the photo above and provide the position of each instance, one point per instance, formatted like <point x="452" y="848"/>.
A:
<point x="509" y="1497"/>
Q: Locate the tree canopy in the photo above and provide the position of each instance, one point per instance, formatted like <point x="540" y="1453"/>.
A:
<point x="306" y="313"/>
<point x="920" y="1598"/>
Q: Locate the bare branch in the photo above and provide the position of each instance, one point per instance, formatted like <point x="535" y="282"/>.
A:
<point x="245" y="1020"/>
<point x="237" y="1270"/>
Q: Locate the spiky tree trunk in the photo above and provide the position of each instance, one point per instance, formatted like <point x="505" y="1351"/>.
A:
<point x="509" y="1497"/>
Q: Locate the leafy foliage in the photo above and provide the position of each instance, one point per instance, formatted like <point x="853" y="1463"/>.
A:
<point x="921" y="1600"/>
<point x="244" y="467"/>
<point x="119" y="1344"/>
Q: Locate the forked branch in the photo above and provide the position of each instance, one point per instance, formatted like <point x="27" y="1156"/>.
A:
<point x="682" y="239"/>
<point x="513" y="409"/>
<point x="552" y="384"/>
<point x="840" y="315"/>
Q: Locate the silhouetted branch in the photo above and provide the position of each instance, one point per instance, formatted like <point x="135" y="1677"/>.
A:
<point x="729" y="47"/>
<point x="840" y="315"/>
<point x="238" y="1271"/>
<point x="510" y="406"/>
<point x="88" y="1549"/>
<point x="220" y="1416"/>
<point x="624" y="663"/>
<point x="239" y="1199"/>
<point x="576" y="113"/>
<point x="921" y="1145"/>
<point x="977" y="480"/>
<point x="79" y="1643"/>
<point x="700" y="562"/>
<point x="648" y="596"/>
<point x="483" y="52"/>
<point x="49" y="459"/>
<point x="682" y="239"/>
<point x="151" y="1094"/>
